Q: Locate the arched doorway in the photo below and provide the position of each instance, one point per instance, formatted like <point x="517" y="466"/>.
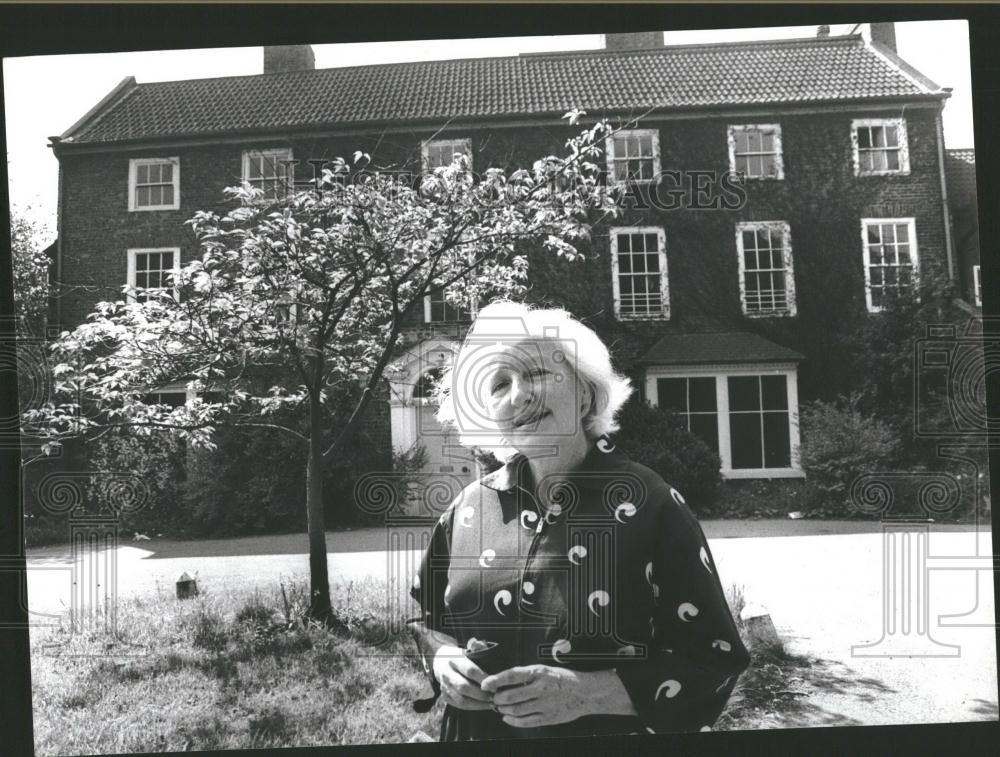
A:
<point x="412" y="410"/>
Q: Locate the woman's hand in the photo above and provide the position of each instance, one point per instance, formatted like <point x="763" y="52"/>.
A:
<point x="460" y="678"/>
<point x="545" y="695"/>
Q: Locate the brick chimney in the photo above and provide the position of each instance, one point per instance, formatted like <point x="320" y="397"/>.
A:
<point x="633" y="41"/>
<point x="885" y="35"/>
<point x="288" y="58"/>
<point x="823" y="31"/>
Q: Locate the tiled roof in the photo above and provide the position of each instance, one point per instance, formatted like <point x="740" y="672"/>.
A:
<point x="717" y="348"/>
<point x="960" y="170"/>
<point x="600" y="82"/>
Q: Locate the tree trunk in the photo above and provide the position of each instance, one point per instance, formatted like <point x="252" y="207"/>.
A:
<point x="319" y="579"/>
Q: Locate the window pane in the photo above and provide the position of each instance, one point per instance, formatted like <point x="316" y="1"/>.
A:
<point x="141" y="262"/>
<point x="742" y="165"/>
<point x="142" y="196"/>
<point x="744" y="393"/>
<point x="168" y="194"/>
<point x="892" y="160"/>
<point x="167" y="261"/>
<point x="253" y="167"/>
<point x="745" y="432"/>
<point x="624" y="243"/>
<point x="645" y="145"/>
<point x="891" y="136"/>
<point x="624" y="263"/>
<point x="864" y="137"/>
<point x="672" y="394"/>
<point x="777" y="445"/>
<point x="166" y="172"/>
<point x="706" y="428"/>
<point x="768" y="166"/>
<point x="775" y="390"/>
<point x="652" y="243"/>
<point x="741" y="141"/>
<point x="767" y="142"/>
<point x="702" y="394"/>
<point x="653" y="263"/>
<point x="639" y="263"/>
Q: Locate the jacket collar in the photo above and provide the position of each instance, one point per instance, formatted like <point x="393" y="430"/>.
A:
<point x="603" y="456"/>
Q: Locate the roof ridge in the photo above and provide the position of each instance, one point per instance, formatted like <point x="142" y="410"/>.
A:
<point x="789" y="42"/>
<point x="513" y="57"/>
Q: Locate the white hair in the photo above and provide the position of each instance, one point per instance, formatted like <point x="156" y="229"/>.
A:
<point x="497" y="327"/>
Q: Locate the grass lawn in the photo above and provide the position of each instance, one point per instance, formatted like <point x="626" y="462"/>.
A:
<point x="235" y="668"/>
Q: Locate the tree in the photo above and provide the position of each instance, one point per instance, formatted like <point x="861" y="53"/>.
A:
<point x="294" y="310"/>
<point x="31" y="275"/>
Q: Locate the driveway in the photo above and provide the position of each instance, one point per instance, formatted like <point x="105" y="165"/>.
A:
<point x="824" y="592"/>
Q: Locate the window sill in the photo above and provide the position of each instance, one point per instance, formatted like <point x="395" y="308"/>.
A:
<point x="865" y="174"/>
<point x="748" y="473"/>
<point x="154" y="207"/>
<point x="773" y="314"/>
<point x="629" y="318"/>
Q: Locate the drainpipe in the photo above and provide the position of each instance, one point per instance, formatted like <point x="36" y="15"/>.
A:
<point x="944" y="195"/>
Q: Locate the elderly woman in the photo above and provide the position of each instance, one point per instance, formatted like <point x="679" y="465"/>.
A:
<point x="572" y="591"/>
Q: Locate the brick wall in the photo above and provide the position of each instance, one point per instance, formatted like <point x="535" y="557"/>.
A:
<point x="820" y="198"/>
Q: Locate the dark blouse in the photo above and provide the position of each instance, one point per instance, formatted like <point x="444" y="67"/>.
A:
<point x="618" y="574"/>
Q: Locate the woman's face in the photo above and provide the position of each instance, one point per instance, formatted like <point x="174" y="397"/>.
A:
<point x="534" y="395"/>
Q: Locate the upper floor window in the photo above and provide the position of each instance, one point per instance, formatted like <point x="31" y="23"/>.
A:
<point x="154" y="183"/>
<point x="890" y="258"/>
<point x="880" y="146"/>
<point x="149" y="270"/>
<point x="437" y="309"/>
<point x="977" y="286"/>
<point x="441" y="152"/>
<point x="755" y="151"/>
<point x="634" y="155"/>
<point x="270" y="171"/>
<point x="639" y="273"/>
<point x="767" y="281"/>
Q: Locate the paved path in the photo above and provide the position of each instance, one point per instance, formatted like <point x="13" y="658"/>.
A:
<point x="824" y="593"/>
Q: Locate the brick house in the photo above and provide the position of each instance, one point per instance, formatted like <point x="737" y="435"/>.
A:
<point x="723" y="304"/>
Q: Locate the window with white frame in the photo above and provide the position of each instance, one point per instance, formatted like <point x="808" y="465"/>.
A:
<point x="154" y="183"/>
<point x="639" y="273"/>
<point x="437" y="309"/>
<point x="149" y="270"/>
<point x="270" y="171"/>
<point x="880" y="146"/>
<point x="890" y="258"/>
<point x="634" y="155"/>
<point x="755" y="151"/>
<point x="441" y="152"/>
<point x="767" y="280"/>
<point x="977" y="286"/>
<point x="748" y="414"/>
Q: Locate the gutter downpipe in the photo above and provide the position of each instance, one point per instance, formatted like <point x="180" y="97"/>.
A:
<point x="949" y="251"/>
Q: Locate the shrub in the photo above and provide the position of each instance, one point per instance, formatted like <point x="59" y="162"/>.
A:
<point x="840" y="443"/>
<point x="157" y="459"/>
<point x="658" y="439"/>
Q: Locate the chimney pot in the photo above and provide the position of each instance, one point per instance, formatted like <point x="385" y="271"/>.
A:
<point x="633" y="40"/>
<point x="288" y="58"/>
<point x="823" y="31"/>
